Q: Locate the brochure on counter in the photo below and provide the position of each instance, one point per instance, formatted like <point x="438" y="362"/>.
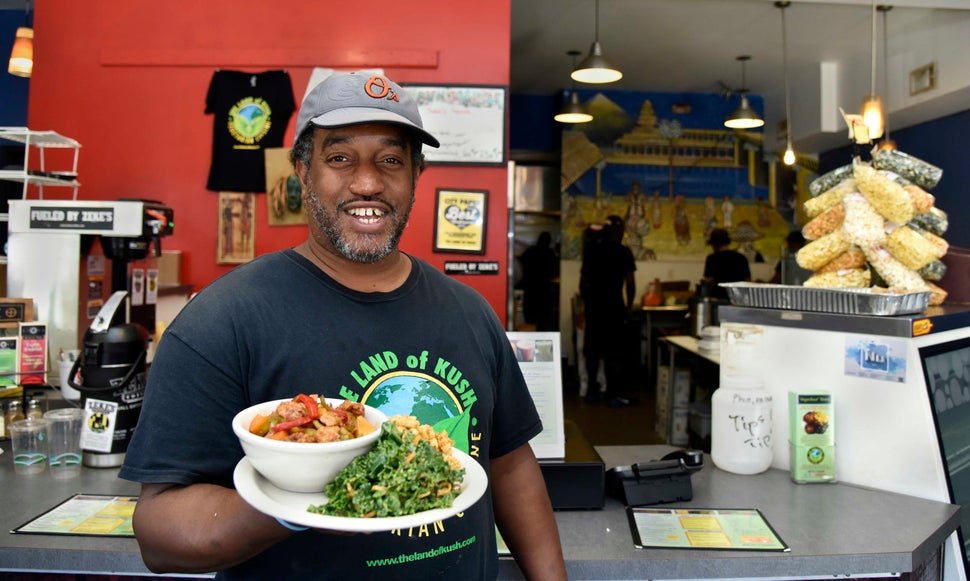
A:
<point x="539" y="359"/>
<point x="86" y="514"/>
<point x="722" y="529"/>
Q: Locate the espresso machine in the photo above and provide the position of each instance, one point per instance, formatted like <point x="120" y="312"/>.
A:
<point x="70" y="256"/>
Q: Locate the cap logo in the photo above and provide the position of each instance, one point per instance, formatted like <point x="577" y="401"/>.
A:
<point x="378" y="87"/>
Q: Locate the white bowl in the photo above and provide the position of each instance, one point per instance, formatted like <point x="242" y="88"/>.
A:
<point x="297" y="466"/>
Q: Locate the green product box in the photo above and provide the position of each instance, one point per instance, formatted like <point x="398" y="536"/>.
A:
<point x="811" y="424"/>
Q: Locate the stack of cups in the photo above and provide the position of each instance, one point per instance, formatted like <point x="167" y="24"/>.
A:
<point x="29" y="445"/>
<point x="54" y="440"/>
<point x="64" y="441"/>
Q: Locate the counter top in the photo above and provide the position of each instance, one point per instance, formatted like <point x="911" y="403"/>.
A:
<point x="691" y="344"/>
<point x="832" y="529"/>
<point x="935" y="319"/>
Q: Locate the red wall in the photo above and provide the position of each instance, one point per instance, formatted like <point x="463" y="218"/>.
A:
<point x="128" y="80"/>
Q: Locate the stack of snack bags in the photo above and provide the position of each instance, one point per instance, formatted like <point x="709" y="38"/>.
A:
<point x="875" y="224"/>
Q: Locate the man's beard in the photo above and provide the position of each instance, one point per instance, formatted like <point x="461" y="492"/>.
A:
<point x="366" y="248"/>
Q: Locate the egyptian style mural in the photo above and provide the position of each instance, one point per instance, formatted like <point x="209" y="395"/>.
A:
<point x="665" y="163"/>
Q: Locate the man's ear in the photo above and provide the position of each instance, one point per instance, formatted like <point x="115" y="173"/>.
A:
<point x="419" y="169"/>
<point x="301" y="174"/>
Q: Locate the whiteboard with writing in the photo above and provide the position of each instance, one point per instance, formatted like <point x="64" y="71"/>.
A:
<point x="468" y="120"/>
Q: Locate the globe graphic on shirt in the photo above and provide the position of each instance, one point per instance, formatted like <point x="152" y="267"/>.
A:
<point x="413" y="395"/>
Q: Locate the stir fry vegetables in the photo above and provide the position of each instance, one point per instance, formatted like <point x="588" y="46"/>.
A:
<point x="309" y="418"/>
<point x="409" y="470"/>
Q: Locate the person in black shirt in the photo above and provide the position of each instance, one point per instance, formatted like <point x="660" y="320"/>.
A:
<point x="606" y="276"/>
<point x="540" y="269"/>
<point x="724" y="264"/>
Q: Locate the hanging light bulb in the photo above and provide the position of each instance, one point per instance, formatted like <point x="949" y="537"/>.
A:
<point x="573" y="111"/>
<point x="744" y="117"/>
<point x="872" y="114"/>
<point x="22" y="55"/>
<point x="886" y="143"/>
<point x="595" y="68"/>
<point x="789" y="157"/>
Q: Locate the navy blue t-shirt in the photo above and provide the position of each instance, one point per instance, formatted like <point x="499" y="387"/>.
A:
<point x="278" y="326"/>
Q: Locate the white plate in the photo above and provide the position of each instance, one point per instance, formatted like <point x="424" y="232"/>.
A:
<point x="292" y="506"/>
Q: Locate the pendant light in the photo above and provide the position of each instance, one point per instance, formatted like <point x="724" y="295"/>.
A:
<point x="872" y="115"/>
<point x="789" y="157"/>
<point x="744" y="117"/>
<point x="22" y="55"/>
<point x="595" y="68"/>
<point x="573" y="111"/>
<point x="887" y="142"/>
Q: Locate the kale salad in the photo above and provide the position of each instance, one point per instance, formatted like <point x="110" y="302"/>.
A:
<point x="409" y="470"/>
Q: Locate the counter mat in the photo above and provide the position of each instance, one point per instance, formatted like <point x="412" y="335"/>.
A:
<point x="86" y="515"/>
<point x="721" y="529"/>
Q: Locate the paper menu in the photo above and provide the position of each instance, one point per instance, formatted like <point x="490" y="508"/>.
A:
<point x="539" y="359"/>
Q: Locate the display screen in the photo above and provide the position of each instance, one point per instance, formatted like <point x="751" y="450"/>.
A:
<point x="947" y="370"/>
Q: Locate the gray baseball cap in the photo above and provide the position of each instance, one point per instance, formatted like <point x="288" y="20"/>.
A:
<point x="360" y="97"/>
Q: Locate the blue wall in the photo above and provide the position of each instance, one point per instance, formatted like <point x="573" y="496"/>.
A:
<point x="532" y="127"/>
<point x="13" y="90"/>
<point x="945" y="143"/>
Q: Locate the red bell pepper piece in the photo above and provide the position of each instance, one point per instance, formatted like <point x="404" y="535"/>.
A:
<point x="311" y="405"/>
<point x="341" y="413"/>
<point x="292" y="424"/>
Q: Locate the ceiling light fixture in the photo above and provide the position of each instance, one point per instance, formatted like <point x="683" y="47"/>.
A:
<point x="744" y="117"/>
<point x="886" y="143"/>
<point x="573" y="111"/>
<point x="789" y="157"/>
<point x="872" y="115"/>
<point x="595" y="68"/>
<point x="22" y="54"/>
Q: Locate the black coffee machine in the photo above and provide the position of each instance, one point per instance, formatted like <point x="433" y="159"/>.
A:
<point x="113" y="372"/>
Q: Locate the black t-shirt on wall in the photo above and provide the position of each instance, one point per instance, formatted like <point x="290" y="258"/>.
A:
<point x="251" y="112"/>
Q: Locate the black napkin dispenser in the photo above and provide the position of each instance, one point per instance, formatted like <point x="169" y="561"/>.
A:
<point x="657" y="481"/>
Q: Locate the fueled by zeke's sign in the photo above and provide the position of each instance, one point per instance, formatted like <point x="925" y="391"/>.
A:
<point x="58" y="218"/>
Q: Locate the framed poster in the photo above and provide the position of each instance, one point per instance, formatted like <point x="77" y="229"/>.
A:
<point x="284" y="194"/>
<point x="237" y="228"/>
<point x="459" y="221"/>
<point x="468" y="120"/>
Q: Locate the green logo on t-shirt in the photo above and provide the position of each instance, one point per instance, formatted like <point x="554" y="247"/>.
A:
<point x="249" y="120"/>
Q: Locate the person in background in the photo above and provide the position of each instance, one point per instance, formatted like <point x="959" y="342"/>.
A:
<point x="310" y="319"/>
<point x="724" y="264"/>
<point x="787" y="270"/>
<point x="607" y="286"/>
<point x="540" y="269"/>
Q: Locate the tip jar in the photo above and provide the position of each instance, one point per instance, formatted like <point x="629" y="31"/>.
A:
<point x="741" y="425"/>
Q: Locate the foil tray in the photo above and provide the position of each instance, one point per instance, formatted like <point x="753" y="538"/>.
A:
<point x="860" y="301"/>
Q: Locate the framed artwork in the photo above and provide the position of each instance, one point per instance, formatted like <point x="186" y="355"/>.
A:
<point x="468" y="120"/>
<point x="237" y="228"/>
<point x="922" y="79"/>
<point x="284" y="196"/>
<point x="459" y="221"/>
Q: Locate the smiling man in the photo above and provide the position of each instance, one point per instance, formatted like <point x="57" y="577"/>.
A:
<point x="346" y="314"/>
